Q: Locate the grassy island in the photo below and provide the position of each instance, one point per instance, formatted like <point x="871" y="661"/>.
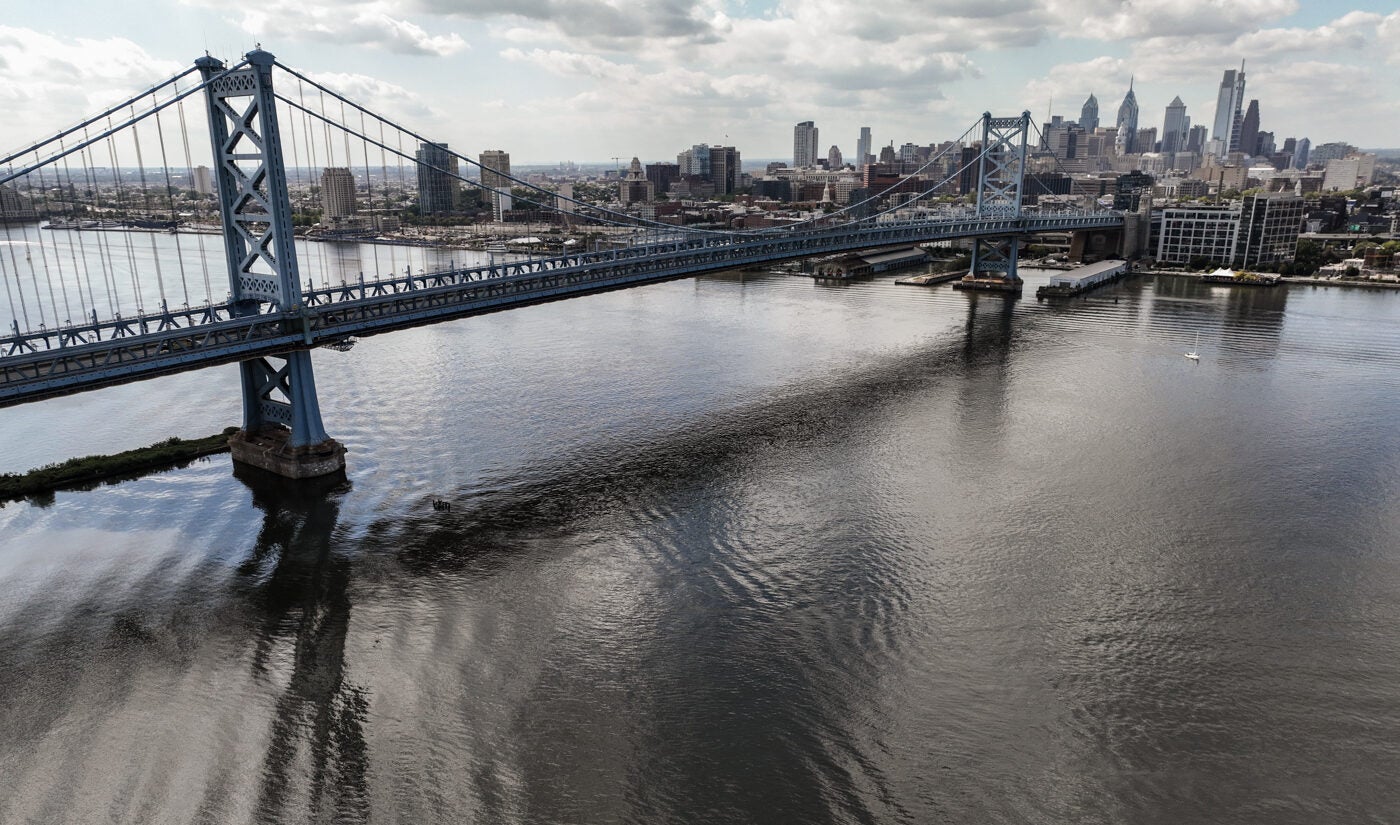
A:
<point x="95" y="468"/>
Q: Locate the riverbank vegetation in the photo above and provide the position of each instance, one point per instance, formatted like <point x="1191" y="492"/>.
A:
<point x="96" y="468"/>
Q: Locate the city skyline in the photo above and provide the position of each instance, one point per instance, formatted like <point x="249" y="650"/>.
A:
<point x="571" y="82"/>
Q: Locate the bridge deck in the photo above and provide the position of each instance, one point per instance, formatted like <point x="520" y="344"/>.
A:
<point x="49" y="363"/>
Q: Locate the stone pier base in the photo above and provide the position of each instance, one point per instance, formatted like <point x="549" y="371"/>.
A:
<point x="267" y="449"/>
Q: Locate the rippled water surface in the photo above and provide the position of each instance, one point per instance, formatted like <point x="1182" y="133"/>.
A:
<point x="744" y="548"/>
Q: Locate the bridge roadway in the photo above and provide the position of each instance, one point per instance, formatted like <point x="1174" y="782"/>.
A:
<point x="49" y="363"/>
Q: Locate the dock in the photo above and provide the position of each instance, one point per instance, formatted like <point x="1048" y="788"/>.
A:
<point x="929" y="278"/>
<point x="1081" y="280"/>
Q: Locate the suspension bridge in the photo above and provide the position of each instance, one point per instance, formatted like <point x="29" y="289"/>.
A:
<point x="89" y="314"/>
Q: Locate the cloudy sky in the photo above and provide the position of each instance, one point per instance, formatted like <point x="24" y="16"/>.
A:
<point x="551" y="80"/>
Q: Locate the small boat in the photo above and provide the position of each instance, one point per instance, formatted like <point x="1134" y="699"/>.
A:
<point x="1195" y="354"/>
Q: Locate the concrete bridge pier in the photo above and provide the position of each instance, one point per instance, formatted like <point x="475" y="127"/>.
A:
<point x="993" y="267"/>
<point x="282" y="431"/>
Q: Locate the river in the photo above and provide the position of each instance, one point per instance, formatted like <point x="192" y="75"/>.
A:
<point x="741" y="548"/>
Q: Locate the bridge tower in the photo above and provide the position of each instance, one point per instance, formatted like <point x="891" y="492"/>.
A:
<point x="282" y="430"/>
<point x="1001" y="170"/>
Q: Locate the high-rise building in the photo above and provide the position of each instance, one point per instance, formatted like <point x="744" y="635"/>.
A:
<point x="1196" y="139"/>
<point x="203" y="180"/>
<point x="804" y="145"/>
<point x="661" y="175"/>
<point x="833" y="157"/>
<point x="495" y="171"/>
<point x="337" y="194"/>
<point x="1249" y="130"/>
<point x="437" y="178"/>
<point x="1269" y="227"/>
<point x="1176" y="127"/>
<point x="863" y="148"/>
<point x="1089" y="115"/>
<point x="1126" y="141"/>
<point x="1228" y="104"/>
<point x="1146" y="140"/>
<point x="1300" y="154"/>
<point x="725" y="169"/>
<point x="1331" y="151"/>
<point x="695" y="161"/>
<point x="1264" y="145"/>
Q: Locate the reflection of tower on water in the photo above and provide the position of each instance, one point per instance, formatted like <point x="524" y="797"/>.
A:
<point x="317" y="726"/>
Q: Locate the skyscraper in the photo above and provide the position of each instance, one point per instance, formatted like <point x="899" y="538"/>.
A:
<point x="863" y="147"/>
<point x="1089" y="115"/>
<point x="1300" y="154"/>
<point x="804" y="144"/>
<point x="1126" y="141"/>
<point x="1249" y="130"/>
<point x="1228" y="104"/>
<point x="337" y="194"/>
<point x="1196" y="139"/>
<point x="437" y="178"/>
<point x="725" y="169"/>
<point x="833" y="157"/>
<point x="495" y="167"/>
<point x="1176" y="127"/>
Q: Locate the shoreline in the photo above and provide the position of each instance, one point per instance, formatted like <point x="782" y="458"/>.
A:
<point x="1284" y="280"/>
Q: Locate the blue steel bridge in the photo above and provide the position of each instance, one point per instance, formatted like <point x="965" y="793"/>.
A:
<point x="138" y="319"/>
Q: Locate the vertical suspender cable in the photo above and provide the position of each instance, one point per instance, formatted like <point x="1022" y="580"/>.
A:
<point x="104" y="248"/>
<point x="75" y="244"/>
<point x="123" y="210"/>
<point x="311" y="152"/>
<point x="29" y="259"/>
<point x="189" y="166"/>
<point x="58" y="259"/>
<point x="369" y="189"/>
<point x="19" y="284"/>
<point x="170" y="201"/>
<point x="146" y="203"/>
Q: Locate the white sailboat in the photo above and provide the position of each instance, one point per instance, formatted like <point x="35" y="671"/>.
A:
<point x="1195" y="354"/>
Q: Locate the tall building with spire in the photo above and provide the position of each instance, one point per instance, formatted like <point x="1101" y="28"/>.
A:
<point x="1126" y="141"/>
<point x="1089" y="115"/>
<point x="1176" y="127"/>
<point x="1229" y="103"/>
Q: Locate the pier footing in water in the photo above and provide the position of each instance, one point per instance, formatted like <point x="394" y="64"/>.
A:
<point x="268" y="449"/>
